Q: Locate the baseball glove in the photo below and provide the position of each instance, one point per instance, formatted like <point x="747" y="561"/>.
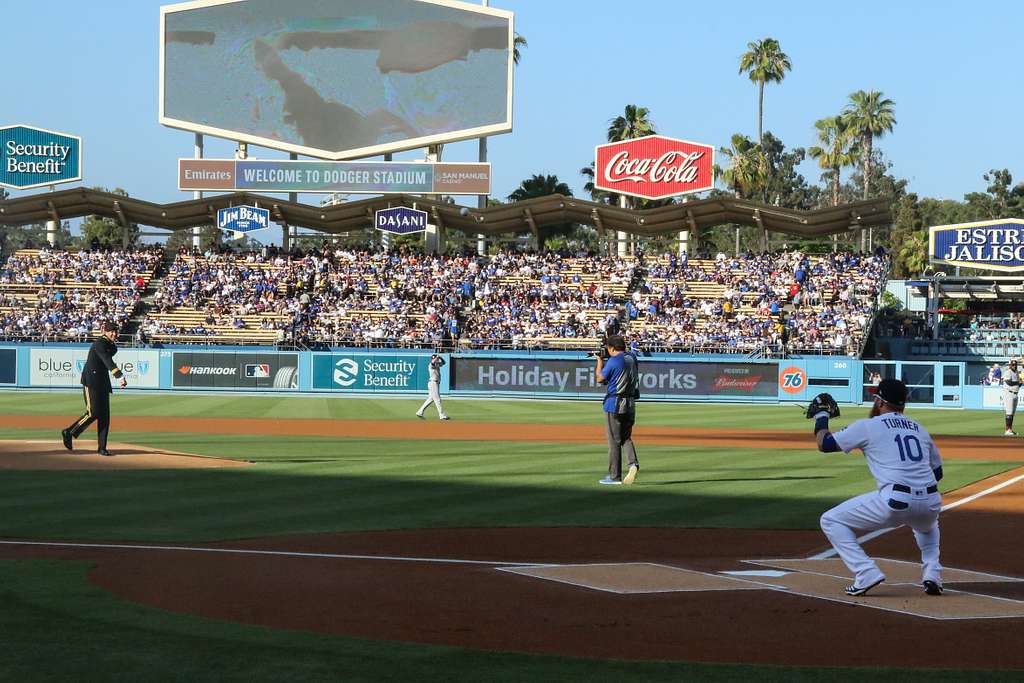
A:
<point x="823" y="403"/>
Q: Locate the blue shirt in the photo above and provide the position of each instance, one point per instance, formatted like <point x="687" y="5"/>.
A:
<point x="622" y="380"/>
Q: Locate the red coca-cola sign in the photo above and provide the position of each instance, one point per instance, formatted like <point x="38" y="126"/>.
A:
<point x="654" y="167"/>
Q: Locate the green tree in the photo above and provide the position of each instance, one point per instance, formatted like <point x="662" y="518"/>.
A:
<point x="517" y="45"/>
<point x="540" y="185"/>
<point x="1002" y="199"/>
<point x="764" y="62"/>
<point x="913" y="253"/>
<point x="785" y="185"/>
<point x="208" y="236"/>
<point x="833" y="151"/>
<point x="107" y="232"/>
<point x="868" y="116"/>
<point x="747" y="171"/>
<point x="635" y="122"/>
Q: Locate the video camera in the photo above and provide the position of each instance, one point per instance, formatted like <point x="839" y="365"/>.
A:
<point x="601" y="351"/>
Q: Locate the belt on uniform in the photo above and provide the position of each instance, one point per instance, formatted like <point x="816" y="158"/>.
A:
<point x="906" y="489"/>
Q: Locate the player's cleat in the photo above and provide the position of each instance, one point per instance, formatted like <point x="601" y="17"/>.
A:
<point x="65" y="436"/>
<point x="421" y="416"/>
<point x="856" y="590"/>
<point x="933" y="588"/>
<point x="445" y="417"/>
<point x="611" y="481"/>
<point x="104" y="451"/>
<point x="631" y="475"/>
<point x="1009" y="432"/>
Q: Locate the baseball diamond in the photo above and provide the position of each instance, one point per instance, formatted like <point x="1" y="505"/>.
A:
<point x="445" y="360"/>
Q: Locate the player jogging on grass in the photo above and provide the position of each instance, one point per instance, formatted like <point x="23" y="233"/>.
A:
<point x="433" y="388"/>
<point x="1011" y="377"/>
<point x="907" y="467"/>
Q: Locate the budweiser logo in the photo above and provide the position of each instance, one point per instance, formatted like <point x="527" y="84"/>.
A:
<point x="670" y="167"/>
<point x="737" y="383"/>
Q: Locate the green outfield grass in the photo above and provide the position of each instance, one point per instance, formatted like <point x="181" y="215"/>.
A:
<point x="316" y="484"/>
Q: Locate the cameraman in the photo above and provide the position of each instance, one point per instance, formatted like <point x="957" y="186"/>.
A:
<point x="617" y="368"/>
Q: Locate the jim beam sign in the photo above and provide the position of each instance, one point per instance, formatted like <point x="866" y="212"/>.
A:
<point x="654" y="167"/>
<point x="986" y="245"/>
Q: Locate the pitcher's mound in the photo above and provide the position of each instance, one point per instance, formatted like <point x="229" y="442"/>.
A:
<point x="51" y="455"/>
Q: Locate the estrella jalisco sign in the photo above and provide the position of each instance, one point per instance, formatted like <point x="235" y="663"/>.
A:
<point x="400" y="220"/>
<point x="986" y="245"/>
<point x="243" y="219"/>
<point x="36" y="157"/>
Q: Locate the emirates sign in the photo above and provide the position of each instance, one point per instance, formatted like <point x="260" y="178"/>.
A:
<point x="654" y="167"/>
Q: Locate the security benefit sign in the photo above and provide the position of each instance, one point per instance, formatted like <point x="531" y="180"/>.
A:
<point x="400" y="220"/>
<point x="657" y="378"/>
<point x="242" y="220"/>
<point x="230" y="370"/>
<point x="986" y="245"/>
<point x="366" y="372"/>
<point x="56" y="367"/>
<point x="34" y="157"/>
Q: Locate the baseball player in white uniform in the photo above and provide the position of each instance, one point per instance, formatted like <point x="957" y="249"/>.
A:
<point x="907" y="467"/>
<point x="1011" y="386"/>
<point x="433" y="388"/>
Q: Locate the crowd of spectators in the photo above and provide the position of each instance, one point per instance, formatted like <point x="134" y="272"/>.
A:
<point x="333" y="296"/>
<point x="339" y="296"/>
<point x="52" y="295"/>
<point x="779" y="301"/>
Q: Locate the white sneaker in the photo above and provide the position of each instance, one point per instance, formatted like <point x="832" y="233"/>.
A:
<point x="420" y="416"/>
<point x="631" y="475"/>
<point x="445" y="417"/>
<point x="1009" y="432"/>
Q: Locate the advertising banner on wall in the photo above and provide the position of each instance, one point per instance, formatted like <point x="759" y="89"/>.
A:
<point x="578" y="377"/>
<point x="351" y="177"/>
<point x="57" y="367"/>
<point x="987" y="245"/>
<point x="231" y="370"/>
<point x="363" y="372"/>
<point x="8" y="366"/>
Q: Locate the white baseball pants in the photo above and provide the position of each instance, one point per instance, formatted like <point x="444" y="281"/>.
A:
<point x="877" y="510"/>
<point x="1009" y="403"/>
<point x="433" y="396"/>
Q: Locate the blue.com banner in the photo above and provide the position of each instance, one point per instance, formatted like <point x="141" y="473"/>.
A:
<point x="987" y="245"/>
<point x="370" y="372"/>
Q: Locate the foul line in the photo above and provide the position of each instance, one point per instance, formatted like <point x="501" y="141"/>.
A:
<point x="278" y="553"/>
<point x="831" y="552"/>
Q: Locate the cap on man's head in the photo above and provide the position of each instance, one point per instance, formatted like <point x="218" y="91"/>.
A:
<point x="109" y="326"/>
<point x="893" y="392"/>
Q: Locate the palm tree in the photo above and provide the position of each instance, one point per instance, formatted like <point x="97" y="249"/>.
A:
<point x="868" y="116"/>
<point x="539" y="185"/>
<point x="635" y="122"/>
<point x="835" y="151"/>
<point x="595" y="194"/>
<point x="764" y="62"/>
<point x="747" y="170"/>
<point x="913" y="253"/>
<point x="517" y="43"/>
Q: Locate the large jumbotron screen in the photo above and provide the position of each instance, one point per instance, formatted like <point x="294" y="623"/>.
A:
<point x="336" y="79"/>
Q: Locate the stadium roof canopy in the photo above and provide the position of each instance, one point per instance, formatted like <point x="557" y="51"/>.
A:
<point x="981" y="288"/>
<point x="503" y="219"/>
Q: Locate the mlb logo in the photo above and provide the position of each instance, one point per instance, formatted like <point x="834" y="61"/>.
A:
<point x="257" y="371"/>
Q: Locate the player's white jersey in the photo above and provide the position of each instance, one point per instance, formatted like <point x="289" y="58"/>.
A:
<point x="1011" y="381"/>
<point x="898" y="449"/>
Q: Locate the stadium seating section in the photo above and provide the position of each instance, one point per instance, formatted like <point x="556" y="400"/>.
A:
<point x="819" y="304"/>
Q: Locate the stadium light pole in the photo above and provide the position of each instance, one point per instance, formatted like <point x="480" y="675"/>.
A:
<point x="293" y="197"/>
<point x="481" y="199"/>
<point x="197" y="231"/>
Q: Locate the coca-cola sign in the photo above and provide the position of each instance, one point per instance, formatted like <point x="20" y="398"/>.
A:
<point x="654" y="167"/>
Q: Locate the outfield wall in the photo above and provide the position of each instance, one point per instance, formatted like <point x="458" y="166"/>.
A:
<point x="545" y="375"/>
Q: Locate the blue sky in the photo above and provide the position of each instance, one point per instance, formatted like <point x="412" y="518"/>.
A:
<point x="90" y="68"/>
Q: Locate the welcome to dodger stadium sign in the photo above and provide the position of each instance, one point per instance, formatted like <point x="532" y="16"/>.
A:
<point x="987" y="245"/>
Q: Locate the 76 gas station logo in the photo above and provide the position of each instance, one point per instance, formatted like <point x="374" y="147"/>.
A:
<point x="792" y="380"/>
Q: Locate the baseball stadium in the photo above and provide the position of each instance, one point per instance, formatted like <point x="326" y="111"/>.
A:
<point x="338" y="405"/>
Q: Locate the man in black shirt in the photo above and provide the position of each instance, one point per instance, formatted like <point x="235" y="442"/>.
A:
<point x="96" y="389"/>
